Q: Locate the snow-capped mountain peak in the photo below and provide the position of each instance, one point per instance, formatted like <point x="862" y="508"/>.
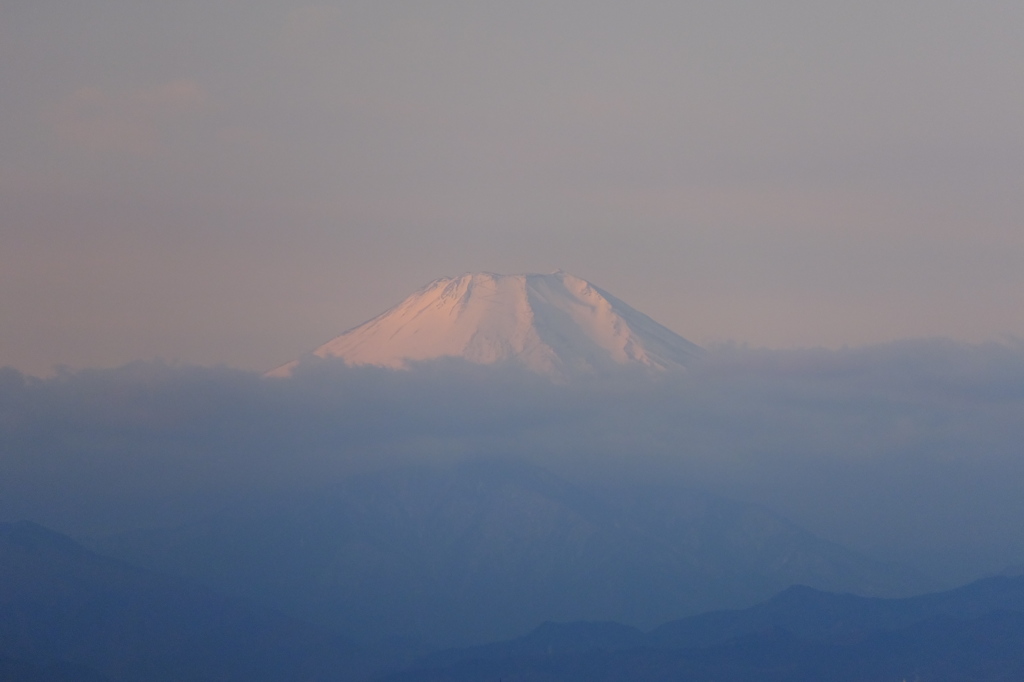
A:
<point x="556" y="324"/>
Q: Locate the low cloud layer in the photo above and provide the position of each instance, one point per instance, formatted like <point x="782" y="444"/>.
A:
<point x="911" y="451"/>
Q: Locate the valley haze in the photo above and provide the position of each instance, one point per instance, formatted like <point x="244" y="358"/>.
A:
<point x="908" y="452"/>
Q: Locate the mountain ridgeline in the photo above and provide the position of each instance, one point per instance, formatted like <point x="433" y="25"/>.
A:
<point x="557" y="325"/>
<point x="973" y="633"/>
<point x="70" y="615"/>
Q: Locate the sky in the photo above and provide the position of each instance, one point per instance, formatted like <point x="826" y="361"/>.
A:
<point x="229" y="182"/>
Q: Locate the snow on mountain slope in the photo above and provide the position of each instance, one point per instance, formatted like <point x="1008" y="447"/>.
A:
<point x="558" y="325"/>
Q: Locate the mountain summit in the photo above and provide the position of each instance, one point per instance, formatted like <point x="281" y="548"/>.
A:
<point x="557" y="325"/>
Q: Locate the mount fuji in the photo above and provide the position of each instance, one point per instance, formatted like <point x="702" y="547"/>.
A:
<point x="555" y="324"/>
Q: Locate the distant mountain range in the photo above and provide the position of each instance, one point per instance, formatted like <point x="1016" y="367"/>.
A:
<point x="442" y="556"/>
<point x="974" y="633"/>
<point x="70" y="615"/>
<point x="557" y="325"/>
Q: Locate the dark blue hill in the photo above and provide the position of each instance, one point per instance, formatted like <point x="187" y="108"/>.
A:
<point x="973" y="633"/>
<point x="67" y="613"/>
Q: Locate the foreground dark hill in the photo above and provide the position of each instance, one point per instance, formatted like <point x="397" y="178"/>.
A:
<point x="810" y="613"/>
<point x="69" y="614"/>
<point x="20" y="670"/>
<point x="484" y="550"/>
<point x="972" y="633"/>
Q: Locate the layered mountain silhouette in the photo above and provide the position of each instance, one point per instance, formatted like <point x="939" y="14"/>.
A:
<point x="483" y="550"/>
<point x="68" y="614"/>
<point x="558" y="325"/>
<point x="971" y="633"/>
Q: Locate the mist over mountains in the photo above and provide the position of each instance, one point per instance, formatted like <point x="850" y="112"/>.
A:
<point x="336" y="475"/>
<point x="485" y="550"/>
<point x="906" y="451"/>
<point x="403" y="503"/>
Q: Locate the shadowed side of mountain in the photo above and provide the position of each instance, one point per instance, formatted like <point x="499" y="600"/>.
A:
<point x="64" y="608"/>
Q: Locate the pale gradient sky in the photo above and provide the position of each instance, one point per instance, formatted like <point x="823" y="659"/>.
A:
<point x="219" y="181"/>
